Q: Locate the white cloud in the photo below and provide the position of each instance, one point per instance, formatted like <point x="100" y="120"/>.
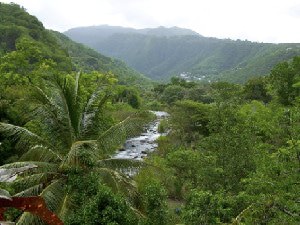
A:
<point x="256" y="20"/>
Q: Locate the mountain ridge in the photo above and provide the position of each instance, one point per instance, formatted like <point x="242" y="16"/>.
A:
<point x="205" y="58"/>
<point x="108" y="30"/>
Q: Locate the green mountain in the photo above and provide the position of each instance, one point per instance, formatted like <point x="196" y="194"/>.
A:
<point x="87" y="59"/>
<point x="20" y="31"/>
<point x="164" y="52"/>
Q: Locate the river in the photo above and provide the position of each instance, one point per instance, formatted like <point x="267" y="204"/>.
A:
<point x="139" y="147"/>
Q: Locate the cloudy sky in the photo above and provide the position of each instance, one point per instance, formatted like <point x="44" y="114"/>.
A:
<point x="255" y="20"/>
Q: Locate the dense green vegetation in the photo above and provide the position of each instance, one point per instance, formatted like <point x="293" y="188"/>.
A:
<point x="164" y="52"/>
<point x="88" y="60"/>
<point x="231" y="154"/>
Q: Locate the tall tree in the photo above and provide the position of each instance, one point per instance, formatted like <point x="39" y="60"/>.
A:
<point x="283" y="77"/>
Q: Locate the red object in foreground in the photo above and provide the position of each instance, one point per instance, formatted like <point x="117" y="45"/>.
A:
<point x="34" y="205"/>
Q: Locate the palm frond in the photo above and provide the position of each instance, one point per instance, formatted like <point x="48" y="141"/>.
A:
<point x="119" y="182"/>
<point x="76" y="89"/>
<point x="11" y="170"/>
<point x="41" y="153"/>
<point x="117" y="134"/>
<point x="66" y="206"/>
<point x="91" y="111"/>
<point x="52" y="108"/>
<point x="40" y="97"/>
<point x="4" y="194"/>
<point x="32" y="191"/>
<point x="24" y="182"/>
<point x="53" y="127"/>
<point x="65" y="114"/>
<point x="109" y="177"/>
<point x="28" y="218"/>
<point x="19" y="165"/>
<point x="29" y="181"/>
<point x="73" y="102"/>
<point x="52" y="104"/>
<point x="25" y="138"/>
<point x="79" y="151"/>
<point x="54" y="194"/>
<point x="39" y="166"/>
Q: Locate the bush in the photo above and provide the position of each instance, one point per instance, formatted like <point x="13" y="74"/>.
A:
<point x="103" y="208"/>
<point x="163" y="126"/>
<point x="155" y="204"/>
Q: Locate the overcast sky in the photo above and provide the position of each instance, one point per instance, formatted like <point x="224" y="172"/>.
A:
<point x="255" y="20"/>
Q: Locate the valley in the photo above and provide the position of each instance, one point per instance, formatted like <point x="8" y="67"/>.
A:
<point x="154" y="126"/>
<point x="161" y="53"/>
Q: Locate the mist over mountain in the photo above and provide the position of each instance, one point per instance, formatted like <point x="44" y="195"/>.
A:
<point x="83" y="34"/>
<point x="163" y="52"/>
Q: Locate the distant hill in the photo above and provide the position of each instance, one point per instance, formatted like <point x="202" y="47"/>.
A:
<point x="87" y="59"/>
<point x="92" y="33"/>
<point x="17" y="25"/>
<point x="164" y="52"/>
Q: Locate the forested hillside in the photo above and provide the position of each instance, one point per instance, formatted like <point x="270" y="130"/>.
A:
<point x="89" y="60"/>
<point x="21" y="32"/>
<point x="173" y="53"/>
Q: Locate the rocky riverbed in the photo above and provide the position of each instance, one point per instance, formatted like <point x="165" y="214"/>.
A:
<point x="139" y="147"/>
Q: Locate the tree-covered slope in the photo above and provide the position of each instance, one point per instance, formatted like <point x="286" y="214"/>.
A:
<point x="88" y="60"/>
<point x="25" y="41"/>
<point x="178" y="51"/>
<point x="20" y="31"/>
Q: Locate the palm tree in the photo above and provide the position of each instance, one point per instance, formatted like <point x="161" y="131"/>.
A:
<point x="67" y="132"/>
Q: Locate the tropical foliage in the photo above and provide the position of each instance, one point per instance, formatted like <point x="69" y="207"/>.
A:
<point x="232" y="154"/>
